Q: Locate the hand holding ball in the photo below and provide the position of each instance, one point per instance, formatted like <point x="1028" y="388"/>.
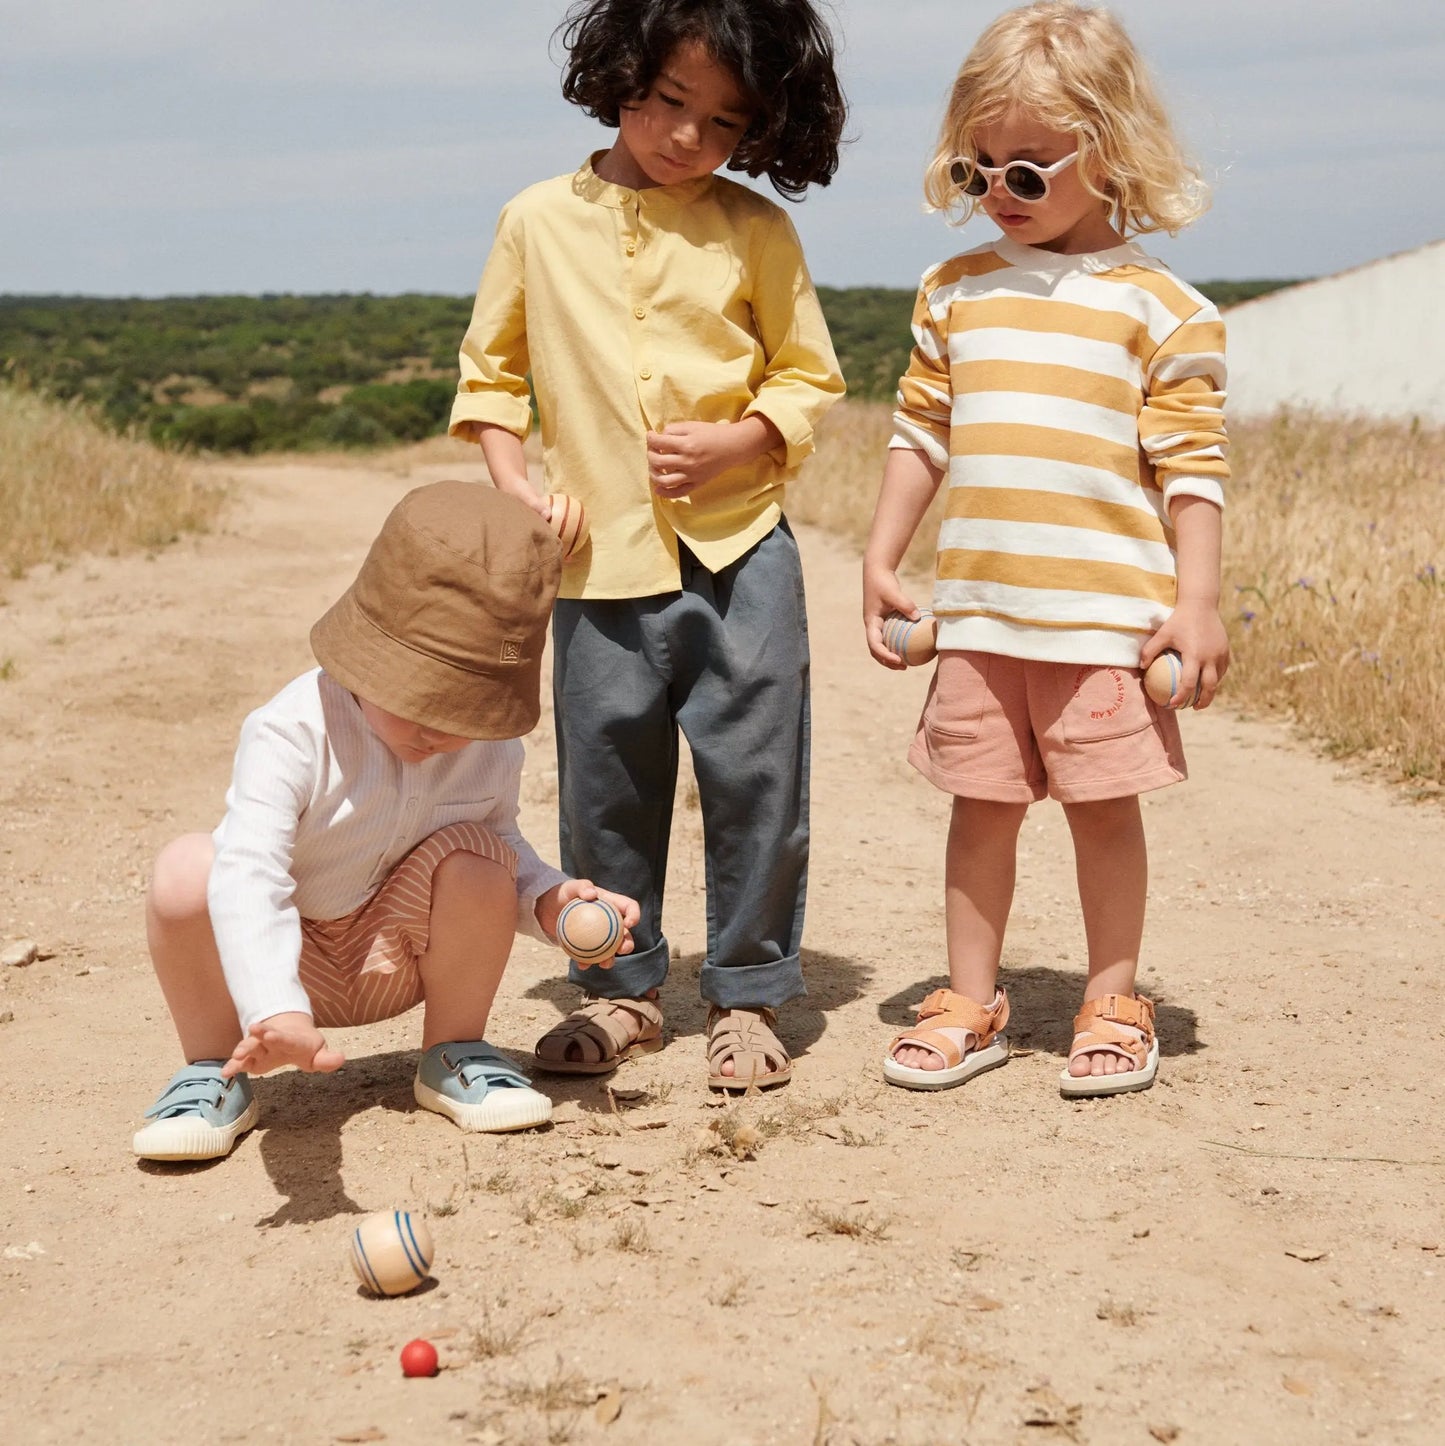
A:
<point x="569" y="522"/>
<point x="1163" y="677"/>
<point x="391" y="1252"/>
<point x="590" y="930"/>
<point x="915" y="642"/>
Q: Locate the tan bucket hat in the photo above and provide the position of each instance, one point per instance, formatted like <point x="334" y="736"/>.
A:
<point x="446" y="621"/>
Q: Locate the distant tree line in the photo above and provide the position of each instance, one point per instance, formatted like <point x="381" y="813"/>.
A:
<point x="282" y="372"/>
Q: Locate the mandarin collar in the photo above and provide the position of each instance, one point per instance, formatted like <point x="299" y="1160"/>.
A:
<point x="591" y="187"/>
<point x="1054" y="263"/>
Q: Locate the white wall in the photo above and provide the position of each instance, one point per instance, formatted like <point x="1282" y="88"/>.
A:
<point x="1370" y="340"/>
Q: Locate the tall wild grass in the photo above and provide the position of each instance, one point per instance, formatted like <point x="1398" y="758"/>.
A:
<point x="69" y="484"/>
<point x="1334" y="572"/>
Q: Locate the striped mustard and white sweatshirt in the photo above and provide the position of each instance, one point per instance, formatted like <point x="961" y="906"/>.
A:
<point x="1070" y="400"/>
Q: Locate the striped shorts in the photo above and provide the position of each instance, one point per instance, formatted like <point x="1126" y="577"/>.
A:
<point x="364" y="966"/>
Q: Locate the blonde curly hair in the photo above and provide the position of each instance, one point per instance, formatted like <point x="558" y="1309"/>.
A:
<point x="1073" y="68"/>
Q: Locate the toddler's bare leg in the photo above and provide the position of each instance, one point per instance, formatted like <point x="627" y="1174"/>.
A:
<point x="978" y="894"/>
<point x="473" y="921"/>
<point x="183" y="949"/>
<point x="1112" y="864"/>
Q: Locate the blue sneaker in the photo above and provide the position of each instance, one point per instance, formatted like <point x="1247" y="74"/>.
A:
<point x="199" y="1115"/>
<point x="478" y="1088"/>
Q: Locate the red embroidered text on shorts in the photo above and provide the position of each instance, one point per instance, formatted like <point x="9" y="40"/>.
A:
<point x="1115" y="677"/>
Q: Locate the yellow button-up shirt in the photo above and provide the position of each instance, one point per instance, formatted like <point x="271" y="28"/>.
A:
<point x="633" y="309"/>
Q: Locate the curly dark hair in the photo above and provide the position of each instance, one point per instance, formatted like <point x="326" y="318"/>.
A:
<point x="779" y="51"/>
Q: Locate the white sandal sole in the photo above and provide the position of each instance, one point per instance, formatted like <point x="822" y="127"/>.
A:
<point x="942" y="1079"/>
<point x="503" y="1109"/>
<point x="191" y="1139"/>
<point x="1085" y="1086"/>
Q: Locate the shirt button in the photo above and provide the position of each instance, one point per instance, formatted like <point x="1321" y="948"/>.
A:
<point x="632" y="248"/>
<point x="646" y="374"/>
<point x="639" y="312"/>
<point x="626" y="198"/>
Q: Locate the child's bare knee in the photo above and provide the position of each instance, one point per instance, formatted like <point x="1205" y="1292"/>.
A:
<point x="180" y="875"/>
<point x="463" y="870"/>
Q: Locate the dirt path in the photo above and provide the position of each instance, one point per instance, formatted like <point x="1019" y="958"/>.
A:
<point x="1253" y="1250"/>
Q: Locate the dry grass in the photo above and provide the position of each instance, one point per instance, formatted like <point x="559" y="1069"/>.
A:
<point x="68" y="485"/>
<point x="1334" y="572"/>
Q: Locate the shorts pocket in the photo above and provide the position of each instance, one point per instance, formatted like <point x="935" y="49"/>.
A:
<point x="1104" y="703"/>
<point x="958" y="697"/>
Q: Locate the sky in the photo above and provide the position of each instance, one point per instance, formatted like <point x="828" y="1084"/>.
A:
<point x="165" y="147"/>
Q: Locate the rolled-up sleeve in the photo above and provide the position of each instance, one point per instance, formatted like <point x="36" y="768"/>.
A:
<point x="802" y="379"/>
<point x="1181" y="426"/>
<point x="493" y="386"/>
<point x="924" y="410"/>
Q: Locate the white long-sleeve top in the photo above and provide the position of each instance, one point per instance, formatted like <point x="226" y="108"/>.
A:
<point x="318" y="814"/>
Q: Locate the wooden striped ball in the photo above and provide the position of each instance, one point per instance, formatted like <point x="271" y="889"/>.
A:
<point x="914" y="642"/>
<point x="569" y="522"/>
<point x="391" y="1252"/>
<point x="589" y="930"/>
<point x="1163" y="677"/>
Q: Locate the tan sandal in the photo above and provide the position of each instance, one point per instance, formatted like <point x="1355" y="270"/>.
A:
<point x="746" y="1037"/>
<point x="943" y="1009"/>
<point x="1118" y="1024"/>
<point x="596" y="1038"/>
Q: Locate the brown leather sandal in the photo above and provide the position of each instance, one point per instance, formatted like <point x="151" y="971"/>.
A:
<point x="597" y="1037"/>
<point x="1118" y="1024"/>
<point x="746" y="1037"/>
<point x="943" y="1009"/>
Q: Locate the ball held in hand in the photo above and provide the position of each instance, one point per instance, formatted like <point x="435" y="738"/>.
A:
<point x="590" y="930"/>
<point x="569" y="522"/>
<point x="391" y="1252"/>
<point x="914" y="642"/>
<point x="1163" y="678"/>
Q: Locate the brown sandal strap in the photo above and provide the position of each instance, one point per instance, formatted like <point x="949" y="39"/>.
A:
<point x="943" y="1009"/>
<point x="1118" y="1024"/>
<point x="601" y="1030"/>
<point x="746" y="1037"/>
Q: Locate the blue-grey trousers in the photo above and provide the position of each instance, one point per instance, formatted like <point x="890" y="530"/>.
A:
<point x="726" y="660"/>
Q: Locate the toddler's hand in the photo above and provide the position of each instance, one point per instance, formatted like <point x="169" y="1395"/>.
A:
<point x="1198" y="635"/>
<point x="882" y="595"/>
<point x="283" y="1039"/>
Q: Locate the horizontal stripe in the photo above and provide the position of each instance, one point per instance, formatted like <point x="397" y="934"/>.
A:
<point x="1058" y="509"/>
<point x="957" y="268"/>
<point x="1055" y="541"/>
<point x="1055" y="573"/>
<point x="1179" y="300"/>
<point x="1055" y="624"/>
<point x="1044" y="349"/>
<point x="1026" y="409"/>
<point x="1046" y="380"/>
<point x="1047" y="317"/>
<point x="1070" y="477"/>
<point x="1050" y="445"/>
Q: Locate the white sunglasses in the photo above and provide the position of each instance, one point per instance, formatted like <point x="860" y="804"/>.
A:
<point x="1023" y="180"/>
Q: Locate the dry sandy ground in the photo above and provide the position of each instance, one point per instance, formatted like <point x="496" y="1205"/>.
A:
<point x="1253" y="1250"/>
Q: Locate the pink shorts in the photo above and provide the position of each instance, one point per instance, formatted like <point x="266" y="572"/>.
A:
<point x="1013" y="730"/>
<point x="364" y="967"/>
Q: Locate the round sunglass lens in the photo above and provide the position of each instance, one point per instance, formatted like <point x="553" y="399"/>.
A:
<point x="1025" y="183"/>
<point x="967" y="178"/>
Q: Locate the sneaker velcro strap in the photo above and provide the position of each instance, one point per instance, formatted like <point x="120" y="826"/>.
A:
<point x="475" y="1059"/>
<point x="195" y="1089"/>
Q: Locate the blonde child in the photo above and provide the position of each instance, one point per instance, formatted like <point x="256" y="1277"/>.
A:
<point x="680" y="365"/>
<point x="370" y="858"/>
<point x="1071" y="391"/>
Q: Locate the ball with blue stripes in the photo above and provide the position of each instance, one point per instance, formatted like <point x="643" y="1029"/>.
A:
<point x="392" y="1252"/>
<point x="590" y="930"/>
<point x="915" y="640"/>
